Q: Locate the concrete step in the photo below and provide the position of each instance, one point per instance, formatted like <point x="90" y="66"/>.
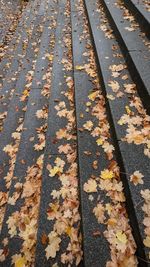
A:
<point x="141" y="13"/>
<point x="9" y="13"/>
<point x="16" y="49"/>
<point x="60" y="72"/>
<point x="95" y="247"/>
<point x="127" y="37"/>
<point x="17" y="107"/>
<point x="15" y="84"/>
<point x="128" y="155"/>
<point x="27" y="156"/>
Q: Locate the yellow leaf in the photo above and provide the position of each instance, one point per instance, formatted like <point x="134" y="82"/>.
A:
<point x="88" y="104"/>
<point x="54" y="207"/>
<point x="25" y="92"/>
<point x="121" y="237"/>
<point x="78" y="67"/>
<point x="121" y="122"/>
<point x="106" y="174"/>
<point x="20" y="262"/>
<point x="54" y="171"/>
<point x="68" y="231"/>
<point x="93" y="95"/>
<point x="99" y="142"/>
<point x="50" y="57"/>
<point x="147" y="242"/>
<point x="128" y="110"/>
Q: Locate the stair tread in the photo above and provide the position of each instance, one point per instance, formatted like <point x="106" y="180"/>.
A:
<point x="17" y="46"/>
<point x="142" y="8"/>
<point x="130" y="153"/>
<point x="74" y="165"/>
<point x="58" y="85"/>
<point x="134" y="54"/>
<point x="35" y="102"/>
<point x="15" y="84"/>
<point x="141" y="13"/>
<point x="83" y="86"/>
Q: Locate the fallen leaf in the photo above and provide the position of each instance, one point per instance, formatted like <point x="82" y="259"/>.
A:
<point x="136" y="178"/>
<point x="53" y="246"/>
<point x="106" y="174"/>
<point x="90" y="186"/>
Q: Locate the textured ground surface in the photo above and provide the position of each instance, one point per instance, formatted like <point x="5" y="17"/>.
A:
<point x="75" y="133"/>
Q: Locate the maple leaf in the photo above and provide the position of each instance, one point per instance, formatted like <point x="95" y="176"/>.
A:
<point x="93" y="95"/>
<point x="96" y="131"/>
<point x="99" y="142"/>
<point x="61" y="133"/>
<point x="114" y="85"/>
<point x="99" y="213"/>
<point x="41" y="114"/>
<point x="117" y="67"/>
<point x="108" y="148"/>
<point x="146" y="194"/>
<point x="12" y="200"/>
<point x="16" y="135"/>
<point x="9" y="149"/>
<point x="130" y="88"/>
<point x="106" y="174"/>
<point x="55" y="171"/>
<point x="55" y="194"/>
<point x="136" y="178"/>
<point x="59" y="162"/>
<point x="146" y="242"/>
<point x="88" y="125"/>
<point x="135" y="137"/>
<point x="40" y="146"/>
<point x="90" y="186"/>
<point x="20" y="262"/>
<point x="62" y="113"/>
<point x="53" y="246"/>
<point x="28" y="189"/>
<point x="52" y="210"/>
<point x="67" y="214"/>
<point x="121" y="237"/>
<point x="65" y="148"/>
